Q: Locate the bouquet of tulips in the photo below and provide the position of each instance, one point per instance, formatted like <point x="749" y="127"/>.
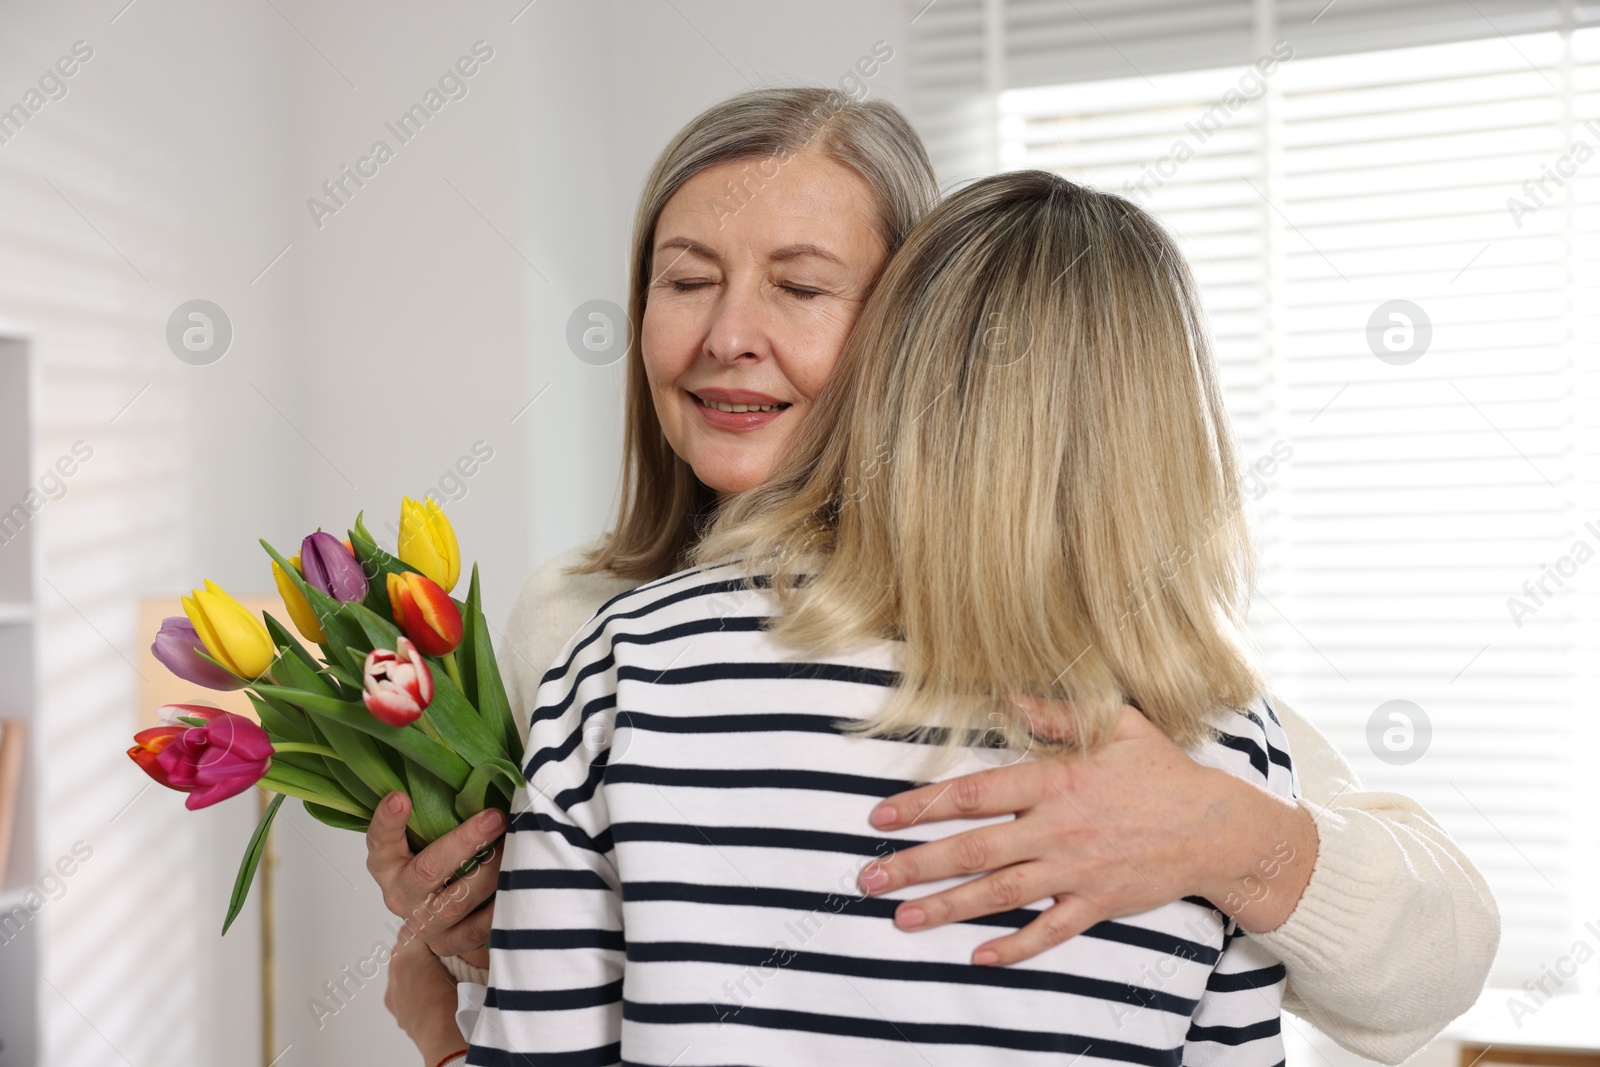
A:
<point x="404" y="695"/>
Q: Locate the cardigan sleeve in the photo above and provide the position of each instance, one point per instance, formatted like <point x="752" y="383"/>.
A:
<point x="553" y="605"/>
<point x="1396" y="931"/>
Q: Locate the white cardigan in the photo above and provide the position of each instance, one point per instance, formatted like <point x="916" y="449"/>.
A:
<point x="1392" y="939"/>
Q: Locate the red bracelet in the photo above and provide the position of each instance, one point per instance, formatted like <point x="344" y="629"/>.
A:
<point x="452" y="1056"/>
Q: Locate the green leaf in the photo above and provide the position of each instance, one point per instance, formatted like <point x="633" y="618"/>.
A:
<point x="471" y="634"/>
<point x="363" y="762"/>
<point x="190" y="720"/>
<point x="288" y="644"/>
<point x="340" y="628"/>
<point x="459" y="724"/>
<point x="283" y="722"/>
<point x="298" y="782"/>
<point x="380" y="632"/>
<point x="407" y="740"/>
<point x="349" y="679"/>
<point x="377" y="565"/>
<point x="432" y="805"/>
<point x="474" y="797"/>
<point x="299" y="672"/>
<point x="337" y="819"/>
<point x="305" y="761"/>
<point x="494" y="707"/>
<point x="339" y="769"/>
<point x="252" y="859"/>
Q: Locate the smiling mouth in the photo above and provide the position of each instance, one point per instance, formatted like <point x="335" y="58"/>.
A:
<point x="737" y="409"/>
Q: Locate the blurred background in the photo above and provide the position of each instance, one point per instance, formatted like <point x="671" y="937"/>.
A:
<point x="1392" y="206"/>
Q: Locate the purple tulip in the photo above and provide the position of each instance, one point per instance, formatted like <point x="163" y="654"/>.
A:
<point x="178" y="647"/>
<point x="331" y="567"/>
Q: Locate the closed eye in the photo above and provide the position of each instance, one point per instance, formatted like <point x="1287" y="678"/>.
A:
<point x="687" y="287"/>
<point x="801" y="293"/>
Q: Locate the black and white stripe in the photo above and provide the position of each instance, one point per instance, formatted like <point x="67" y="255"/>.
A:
<point x="679" y="878"/>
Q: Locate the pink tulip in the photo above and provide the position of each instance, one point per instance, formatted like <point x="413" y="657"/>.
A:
<point x="399" y="684"/>
<point x="223" y="758"/>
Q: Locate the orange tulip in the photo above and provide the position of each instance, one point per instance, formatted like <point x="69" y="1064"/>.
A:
<point x="425" y="613"/>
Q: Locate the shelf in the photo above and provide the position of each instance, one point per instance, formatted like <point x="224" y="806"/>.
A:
<point x="14" y="613"/>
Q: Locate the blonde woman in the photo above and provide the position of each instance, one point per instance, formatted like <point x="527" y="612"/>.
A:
<point x="1386" y="928"/>
<point x="706" y="753"/>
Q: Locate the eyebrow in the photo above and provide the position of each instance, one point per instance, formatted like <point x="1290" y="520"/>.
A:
<point x="795" y="251"/>
<point x="787" y="252"/>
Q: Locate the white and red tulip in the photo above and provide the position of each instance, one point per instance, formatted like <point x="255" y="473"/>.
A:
<point x="399" y="684"/>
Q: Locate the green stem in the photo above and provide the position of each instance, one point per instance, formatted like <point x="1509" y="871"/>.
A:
<point x="453" y="671"/>
<point x="430" y="730"/>
<point x="349" y="807"/>
<point x="300" y="746"/>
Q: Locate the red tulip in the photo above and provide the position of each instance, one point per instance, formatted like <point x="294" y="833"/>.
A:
<point x="398" y="684"/>
<point x="425" y="612"/>
<point x="223" y="758"/>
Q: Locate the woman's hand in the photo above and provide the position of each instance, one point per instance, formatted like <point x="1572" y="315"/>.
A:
<point x="447" y="918"/>
<point x="1130" y="827"/>
<point x="422" y="997"/>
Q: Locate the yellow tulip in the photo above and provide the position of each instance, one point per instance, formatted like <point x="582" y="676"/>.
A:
<point x="428" y="542"/>
<point x="233" y="637"/>
<point x="305" y="620"/>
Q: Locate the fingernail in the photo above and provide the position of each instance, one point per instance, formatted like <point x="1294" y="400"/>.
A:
<point x="874" y="878"/>
<point x="883" y="815"/>
<point x="985" y="957"/>
<point x="489" y="821"/>
<point x="395" y="802"/>
<point x="910" y="918"/>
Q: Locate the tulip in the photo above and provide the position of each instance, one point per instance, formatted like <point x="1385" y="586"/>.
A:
<point x="234" y="637"/>
<point x="332" y="568"/>
<point x="177" y="646"/>
<point x="425" y="612"/>
<point x="428" y="542"/>
<point x="398" y="684"/>
<point x="300" y="610"/>
<point x="213" y="762"/>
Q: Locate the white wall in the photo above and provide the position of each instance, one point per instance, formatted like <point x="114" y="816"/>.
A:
<point x="153" y="181"/>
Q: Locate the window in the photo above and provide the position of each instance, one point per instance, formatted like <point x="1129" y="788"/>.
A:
<point x="1400" y="254"/>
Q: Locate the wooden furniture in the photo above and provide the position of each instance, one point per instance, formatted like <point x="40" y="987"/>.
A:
<point x="1563" y="1031"/>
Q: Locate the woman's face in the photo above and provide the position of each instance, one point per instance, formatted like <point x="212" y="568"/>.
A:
<point x="755" y="285"/>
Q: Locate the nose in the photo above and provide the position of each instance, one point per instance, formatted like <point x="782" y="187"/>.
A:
<point x="738" y="331"/>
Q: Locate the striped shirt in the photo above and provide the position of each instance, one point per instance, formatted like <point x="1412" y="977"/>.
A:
<point x="679" y="878"/>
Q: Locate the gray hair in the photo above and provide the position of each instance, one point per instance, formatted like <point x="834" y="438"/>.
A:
<point x="662" y="501"/>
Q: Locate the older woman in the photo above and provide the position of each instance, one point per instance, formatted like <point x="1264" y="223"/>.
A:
<point x="760" y="232"/>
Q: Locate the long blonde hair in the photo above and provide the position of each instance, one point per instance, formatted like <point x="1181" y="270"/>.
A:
<point x="1022" y="469"/>
<point x="663" y="505"/>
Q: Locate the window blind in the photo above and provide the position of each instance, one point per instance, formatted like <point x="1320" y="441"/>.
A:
<point x="965" y="51"/>
<point x="1405" y="542"/>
